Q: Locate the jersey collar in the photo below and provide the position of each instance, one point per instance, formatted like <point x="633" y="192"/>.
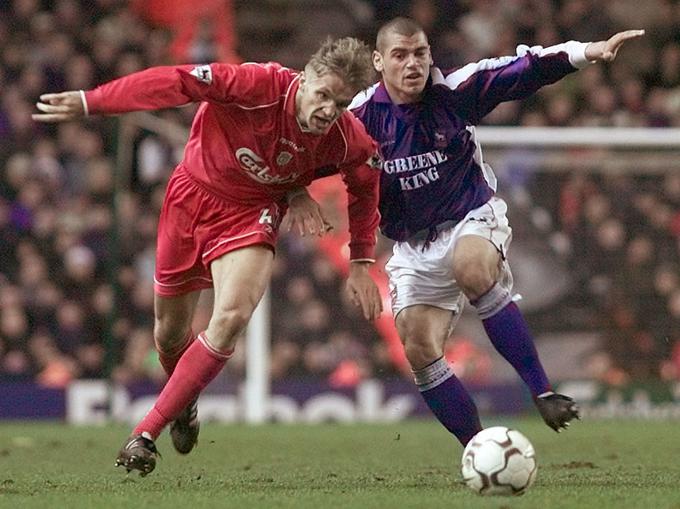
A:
<point x="289" y="104"/>
<point x="382" y="96"/>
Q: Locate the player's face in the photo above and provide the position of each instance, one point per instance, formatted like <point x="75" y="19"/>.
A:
<point x="321" y="100"/>
<point x="404" y="63"/>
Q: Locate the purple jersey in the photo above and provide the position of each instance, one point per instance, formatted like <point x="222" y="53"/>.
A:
<point x="432" y="164"/>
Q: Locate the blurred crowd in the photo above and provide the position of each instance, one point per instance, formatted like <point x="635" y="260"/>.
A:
<point x="76" y="300"/>
<point x="618" y="235"/>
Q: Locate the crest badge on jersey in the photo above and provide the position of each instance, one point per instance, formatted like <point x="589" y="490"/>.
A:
<point x="375" y="162"/>
<point x="439" y="140"/>
<point x="203" y="73"/>
<point x="283" y="158"/>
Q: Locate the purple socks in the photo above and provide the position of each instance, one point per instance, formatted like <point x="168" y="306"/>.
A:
<point x="509" y="334"/>
<point x="448" y="400"/>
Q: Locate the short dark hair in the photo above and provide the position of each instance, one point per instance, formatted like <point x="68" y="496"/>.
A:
<point x="348" y="58"/>
<point x="400" y="25"/>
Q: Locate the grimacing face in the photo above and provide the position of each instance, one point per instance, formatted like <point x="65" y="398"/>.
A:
<point x="321" y="100"/>
<point x="404" y="63"/>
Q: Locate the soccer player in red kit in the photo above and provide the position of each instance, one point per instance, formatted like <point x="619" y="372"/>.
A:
<point x="260" y="132"/>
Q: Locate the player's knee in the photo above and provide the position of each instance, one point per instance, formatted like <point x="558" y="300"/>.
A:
<point x="420" y="352"/>
<point x="169" y="334"/>
<point x="474" y="277"/>
<point x="226" y="325"/>
<point x="492" y="301"/>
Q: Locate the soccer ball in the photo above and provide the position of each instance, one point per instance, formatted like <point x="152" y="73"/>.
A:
<point x="499" y="461"/>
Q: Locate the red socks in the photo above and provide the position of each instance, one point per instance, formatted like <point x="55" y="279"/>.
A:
<point x="170" y="358"/>
<point x="196" y="368"/>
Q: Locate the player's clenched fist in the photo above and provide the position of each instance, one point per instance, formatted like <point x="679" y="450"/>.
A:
<point x="60" y="107"/>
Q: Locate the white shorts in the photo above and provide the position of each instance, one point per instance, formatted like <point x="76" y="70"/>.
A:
<point x="420" y="276"/>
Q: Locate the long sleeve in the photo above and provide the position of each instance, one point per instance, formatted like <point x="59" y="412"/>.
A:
<point x="170" y="86"/>
<point x="482" y="85"/>
<point x="362" y="208"/>
<point x="360" y="171"/>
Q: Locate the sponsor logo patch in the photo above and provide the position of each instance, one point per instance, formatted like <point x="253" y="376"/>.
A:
<point x="257" y="169"/>
<point x="292" y="145"/>
<point x="203" y="73"/>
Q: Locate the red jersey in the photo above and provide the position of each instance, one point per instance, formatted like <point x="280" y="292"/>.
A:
<point x="246" y="144"/>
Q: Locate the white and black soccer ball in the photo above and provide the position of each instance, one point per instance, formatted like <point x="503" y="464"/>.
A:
<point x="499" y="461"/>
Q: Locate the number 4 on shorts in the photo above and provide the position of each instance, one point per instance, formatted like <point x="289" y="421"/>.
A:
<point x="265" y="217"/>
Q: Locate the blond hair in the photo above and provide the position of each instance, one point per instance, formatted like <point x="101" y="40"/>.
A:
<point x="348" y="58"/>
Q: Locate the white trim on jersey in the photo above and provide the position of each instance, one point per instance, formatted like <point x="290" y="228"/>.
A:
<point x="258" y="107"/>
<point x="576" y="52"/>
<point x="290" y="86"/>
<point x="344" y="138"/>
<point x="266" y="64"/>
<point x="461" y="75"/>
<point x="268" y="105"/>
<point x="363" y="97"/>
<point x="230" y="239"/>
<point x="209" y="280"/>
<point x="487" y="172"/>
<point x="86" y="110"/>
<point x="242" y="106"/>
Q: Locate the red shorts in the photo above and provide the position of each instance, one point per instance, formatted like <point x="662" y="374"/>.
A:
<point x="197" y="226"/>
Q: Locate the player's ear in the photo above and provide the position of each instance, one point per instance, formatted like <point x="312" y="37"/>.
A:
<point x="378" y="61"/>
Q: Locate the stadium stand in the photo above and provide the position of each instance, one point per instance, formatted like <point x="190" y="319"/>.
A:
<point x="617" y="235"/>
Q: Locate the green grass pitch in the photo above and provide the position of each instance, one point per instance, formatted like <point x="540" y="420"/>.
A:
<point x="599" y="464"/>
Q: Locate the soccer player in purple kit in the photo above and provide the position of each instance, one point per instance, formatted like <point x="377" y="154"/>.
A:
<point x="437" y="201"/>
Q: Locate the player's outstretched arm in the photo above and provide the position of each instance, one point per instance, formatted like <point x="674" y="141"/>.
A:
<point x="605" y="51"/>
<point x="60" y="107"/>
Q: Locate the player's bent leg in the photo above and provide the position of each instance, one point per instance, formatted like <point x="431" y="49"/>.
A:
<point x="476" y="265"/>
<point x="172" y="324"/>
<point x="199" y="365"/>
<point x="424" y="330"/>
<point x="240" y="278"/>
<point x="173" y="336"/>
<point x="486" y="279"/>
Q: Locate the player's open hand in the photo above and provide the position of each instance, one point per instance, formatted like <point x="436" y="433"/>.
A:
<point x="305" y="215"/>
<point x="59" y="107"/>
<point x="363" y="291"/>
<point x="605" y="51"/>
